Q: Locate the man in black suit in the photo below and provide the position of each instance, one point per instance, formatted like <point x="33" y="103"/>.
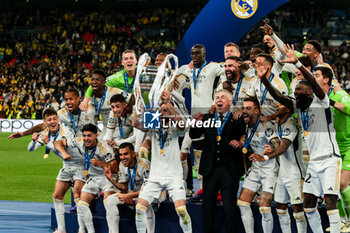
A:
<point x="221" y="162"/>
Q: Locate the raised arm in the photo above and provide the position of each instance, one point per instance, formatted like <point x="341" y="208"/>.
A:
<point x="121" y="186"/>
<point x="35" y="129"/>
<point x="279" y="149"/>
<point x="292" y="58"/>
<point x="276" y="94"/>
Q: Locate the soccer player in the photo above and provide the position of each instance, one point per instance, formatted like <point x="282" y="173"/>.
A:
<point x="267" y="103"/>
<point x="72" y="171"/>
<point x="70" y="116"/>
<point x="340" y="102"/>
<point x="323" y="172"/>
<point x="236" y="83"/>
<point x="119" y="118"/>
<point x="231" y="49"/>
<point x="97" y="155"/>
<point x="261" y="174"/>
<point x="159" y="59"/>
<point x="288" y="187"/>
<point x="123" y="80"/>
<point x="101" y="97"/>
<point x="133" y="172"/>
<point x="204" y="78"/>
<point x="166" y="170"/>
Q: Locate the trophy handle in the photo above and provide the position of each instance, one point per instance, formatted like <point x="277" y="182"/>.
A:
<point x="158" y="87"/>
<point x="144" y="60"/>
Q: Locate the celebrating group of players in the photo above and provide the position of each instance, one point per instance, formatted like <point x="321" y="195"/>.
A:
<point x="296" y="140"/>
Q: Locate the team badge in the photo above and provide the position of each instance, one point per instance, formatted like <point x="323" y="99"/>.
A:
<point x="244" y="9"/>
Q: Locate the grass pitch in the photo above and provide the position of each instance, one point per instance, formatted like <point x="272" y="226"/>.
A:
<point x="24" y="175"/>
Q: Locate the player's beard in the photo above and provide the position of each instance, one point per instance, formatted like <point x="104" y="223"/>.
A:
<point x="303" y="101"/>
<point x="232" y="73"/>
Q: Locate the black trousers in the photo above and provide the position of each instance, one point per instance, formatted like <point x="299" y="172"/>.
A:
<point x="220" y="179"/>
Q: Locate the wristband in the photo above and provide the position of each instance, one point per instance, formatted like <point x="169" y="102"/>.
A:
<point x="266" y="157"/>
<point x="298" y="64"/>
<point x="331" y="102"/>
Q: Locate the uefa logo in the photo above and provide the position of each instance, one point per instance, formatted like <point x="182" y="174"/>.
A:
<point x="244" y="9"/>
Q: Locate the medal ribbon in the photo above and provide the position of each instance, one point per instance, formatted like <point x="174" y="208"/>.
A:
<point x="98" y="108"/>
<point x="249" y="139"/>
<point x="305" y="119"/>
<point x="87" y="157"/>
<point x="127" y="88"/>
<point x="234" y="101"/>
<point x="330" y="91"/>
<point x="72" y="121"/>
<point x="265" y="91"/>
<point x="194" y="77"/>
<point x="121" y="131"/>
<point x="132" y="178"/>
<point x="47" y="150"/>
<point x="219" y="130"/>
<point x="279" y="128"/>
<point x="313" y="69"/>
<point x="162" y="138"/>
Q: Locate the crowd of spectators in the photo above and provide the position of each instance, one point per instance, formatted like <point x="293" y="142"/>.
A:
<point x="59" y="49"/>
<point x="42" y="53"/>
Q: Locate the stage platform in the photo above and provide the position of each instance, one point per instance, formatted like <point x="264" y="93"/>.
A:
<point x="167" y="220"/>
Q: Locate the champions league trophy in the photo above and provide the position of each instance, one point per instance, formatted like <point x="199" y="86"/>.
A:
<point x="151" y="81"/>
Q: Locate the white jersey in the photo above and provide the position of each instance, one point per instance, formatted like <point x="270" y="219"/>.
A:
<point x="75" y="122"/>
<point x="63" y="133"/>
<point x="168" y="164"/>
<point x="320" y="136"/>
<point x="203" y="94"/>
<point x="142" y="173"/>
<point x="242" y="93"/>
<point x="106" y="107"/>
<point x="118" y="127"/>
<point x="292" y="159"/>
<point x="101" y="152"/>
<point x="263" y="135"/>
<point x="257" y="89"/>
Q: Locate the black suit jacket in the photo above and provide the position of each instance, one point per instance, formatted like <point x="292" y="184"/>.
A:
<point x="233" y="129"/>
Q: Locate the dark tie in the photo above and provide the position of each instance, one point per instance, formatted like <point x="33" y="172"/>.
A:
<point x="221" y="118"/>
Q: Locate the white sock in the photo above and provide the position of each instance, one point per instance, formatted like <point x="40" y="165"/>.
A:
<point x="334" y="220"/>
<point x="185" y="219"/>
<point x="112" y="213"/>
<point x="267" y="219"/>
<point x="284" y="219"/>
<point x="81" y="223"/>
<point x="314" y="219"/>
<point x="247" y="216"/>
<point x="59" y="210"/>
<point x="184" y="169"/>
<point x="151" y="220"/>
<point x="197" y="158"/>
<point x="141" y="218"/>
<point x="300" y="221"/>
<point x="86" y="216"/>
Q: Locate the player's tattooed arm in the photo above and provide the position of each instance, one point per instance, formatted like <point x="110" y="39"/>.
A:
<point x="123" y="187"/>
<point x="35" y="129"/>
<point x="279" y="149"/>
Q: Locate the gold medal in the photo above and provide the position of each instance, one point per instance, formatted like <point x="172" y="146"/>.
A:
<point x="218" y="138"/>
<point x="195" y="92"/>
<point x="46" y="156"/>
<point x="306" y="133"/>
<point x="245" y="150"/>
<point x="161" y="151"/>
<point x="86" y="172"/>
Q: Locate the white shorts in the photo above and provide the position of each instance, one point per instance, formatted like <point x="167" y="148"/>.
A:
<point x="257" y="178"/>
<point x="152" y="188"/>
<point x="71" y="174"/>
<point x="96" y="185"/>
<point x="289" y="190"/>
<point x="323" y="177"/>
